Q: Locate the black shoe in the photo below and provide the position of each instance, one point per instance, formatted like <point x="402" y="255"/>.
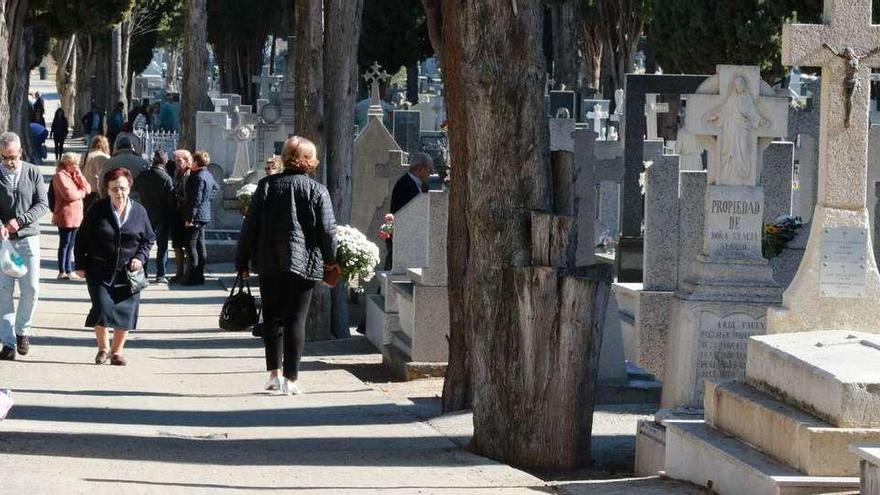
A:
<point x="22" y="344"/>
<point x="193" y="281"/>
<point x="7" y="353"/>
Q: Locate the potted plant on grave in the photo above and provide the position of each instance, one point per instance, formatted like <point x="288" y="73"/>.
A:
<point x="356" y="255"/>
<point x="778" y="234"/>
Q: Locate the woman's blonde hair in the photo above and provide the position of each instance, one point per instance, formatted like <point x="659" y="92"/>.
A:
<point x="100" y="143"/>
<point x="201" y="158"/>
<point x="67" y="159"/>
<point x="300" y="155"/>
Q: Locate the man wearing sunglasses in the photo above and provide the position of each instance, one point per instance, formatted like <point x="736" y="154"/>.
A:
<point x="22" y="203"/>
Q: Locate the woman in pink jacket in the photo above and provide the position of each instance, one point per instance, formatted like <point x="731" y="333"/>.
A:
<point x="69" y="187"/>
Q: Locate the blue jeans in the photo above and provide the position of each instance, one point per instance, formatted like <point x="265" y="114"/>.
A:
<point x="66" y="241"/>
<point x="14" y="322"/>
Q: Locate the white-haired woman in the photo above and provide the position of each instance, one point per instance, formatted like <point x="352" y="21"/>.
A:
<point x="289" y="237"/>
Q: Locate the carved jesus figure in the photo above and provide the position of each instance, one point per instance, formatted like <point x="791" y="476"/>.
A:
<point x="738" y="118"/>
<point x="852" y="84"/>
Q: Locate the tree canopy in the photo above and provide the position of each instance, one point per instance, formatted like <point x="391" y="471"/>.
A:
<point x="395" y="34"/>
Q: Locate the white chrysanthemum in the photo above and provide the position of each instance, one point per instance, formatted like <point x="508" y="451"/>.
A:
<point x="356" y="255"/>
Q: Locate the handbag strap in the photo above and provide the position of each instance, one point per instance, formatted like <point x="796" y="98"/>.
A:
<point x="238" y="284"/>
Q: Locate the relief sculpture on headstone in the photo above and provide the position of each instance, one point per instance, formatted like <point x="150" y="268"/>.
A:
<point x="852" y="83"/>
<point x="738" y="119"/>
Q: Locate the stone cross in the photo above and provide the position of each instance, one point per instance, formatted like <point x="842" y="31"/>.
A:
<point x="598" y="116"/>
<point x="266" y="81"/>
<point x="652" y="108"/>
<point x="844" y="149"/>
<point x="375" y="77"/>
<point x="738" y="116"/>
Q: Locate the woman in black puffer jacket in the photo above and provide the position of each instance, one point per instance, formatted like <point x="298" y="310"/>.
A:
<point x="289" y="237"/>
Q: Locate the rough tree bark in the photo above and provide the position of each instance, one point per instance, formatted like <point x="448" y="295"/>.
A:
<point x="309" y="123"/>
<point x="566" y="63"/>
<point x="592" y="43"/>
<point x="341" y="37"/>
<point x="532" y="331"/>
<point x="18" y="82"/>
<point x="117" y="69"/>
<point x="173" y="52"/>
<point x="194" y="94"/>
<point x="457" y="391"/>
<point x="65" y="55"/>
<point x="5" y="44"/>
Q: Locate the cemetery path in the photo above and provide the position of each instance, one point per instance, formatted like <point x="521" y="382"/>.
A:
<point x="188" y="414"/>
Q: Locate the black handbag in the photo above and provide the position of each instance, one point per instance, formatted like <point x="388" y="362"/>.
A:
<point x="137" y="281"/>
<point x="239" y="312"/>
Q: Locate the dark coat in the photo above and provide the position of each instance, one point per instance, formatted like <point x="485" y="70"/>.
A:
<point x="60" y="129"/>
<point x="201" y="189"/>
<point x="405" y="189"/>
<point x="290" y="227"/>
<point x="86" y="121"/>
<point x="103" y="249"/>
<point x="155" y="191"/>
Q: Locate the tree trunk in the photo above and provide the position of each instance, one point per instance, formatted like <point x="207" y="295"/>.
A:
<point x="5" y="44"/>
<point x="65" y="56"/>
<point x="85" y="72"/>
<point x="412" y="83"/>
<point x="566" y="63"/>
<point x="19" y="106"/>
<point x="591" y="41"/>
<point x="173" y="56"/>
<point x="340" y="95"/>
<point x="531" y="332"/>
<point x="309" y="123"/>
<point x="125" y="72"/>
<point x="194" y="94"/>
<point x="117" y="68"/>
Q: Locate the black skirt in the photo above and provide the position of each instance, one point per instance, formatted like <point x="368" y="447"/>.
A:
<point x="115" y="307"/>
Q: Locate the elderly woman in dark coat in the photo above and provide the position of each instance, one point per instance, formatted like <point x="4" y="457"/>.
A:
<point x="115" y="236"/>
<point x="290" y="236"/>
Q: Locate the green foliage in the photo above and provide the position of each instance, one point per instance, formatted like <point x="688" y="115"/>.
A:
<point x="693" y="36"/>
<point x="394" y="33"/>
<point x="154" y="23"/>
<point x="62" y="18"/>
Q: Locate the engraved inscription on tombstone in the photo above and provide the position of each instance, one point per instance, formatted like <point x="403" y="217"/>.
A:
<point x="734" y="221"/>
<point x="722" y="346"/>
<point x="843" y="272"/>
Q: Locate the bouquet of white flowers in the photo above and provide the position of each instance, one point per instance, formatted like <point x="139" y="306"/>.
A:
<point x="245" y="195"/>
<point x="356" y="255"/>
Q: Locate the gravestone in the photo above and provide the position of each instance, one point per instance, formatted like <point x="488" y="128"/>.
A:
<point x="652" y="108"/>
<point x="562" y="98"/>
<point x="407" y="130"/>
<point x="817" y="367"/>
<point x="803" y="129"/>
<point x="597" y="117"/>
<point x="268" y="84"/>
<point x="724" y="301"/>
<point x="629" y="247"/>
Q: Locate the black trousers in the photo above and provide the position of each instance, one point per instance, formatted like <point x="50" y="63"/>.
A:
<point x="196" y="251"/>
<point x="286" y="298"/>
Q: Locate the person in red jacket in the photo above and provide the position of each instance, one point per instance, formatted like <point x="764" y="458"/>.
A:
<point x="69" y="187"/>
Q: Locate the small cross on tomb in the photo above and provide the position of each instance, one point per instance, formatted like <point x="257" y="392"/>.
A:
<point x="375" y="76"/>
<point x="737" y="116"/>
<point x="598" y="116"/>
<point x="266" y="81"/>
<point x="652" y="108"/>
<point x="846" y="48"/>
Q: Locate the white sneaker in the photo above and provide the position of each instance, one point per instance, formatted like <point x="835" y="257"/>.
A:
<point x="290" y="388"/>
<point x="274" y="383"/>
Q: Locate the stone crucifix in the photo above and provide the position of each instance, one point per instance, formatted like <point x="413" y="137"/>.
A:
<point x="843" y="130"/>
<point x="375" y="75"/>
<point x="652" y="108"/>
<point x="598" y="116"/>
<point x="737" y="113"/>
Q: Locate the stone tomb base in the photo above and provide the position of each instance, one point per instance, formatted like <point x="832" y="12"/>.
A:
<point x="708" y="341"/>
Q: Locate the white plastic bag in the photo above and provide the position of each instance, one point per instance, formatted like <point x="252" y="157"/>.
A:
<point x="5" y="402"/>
<point x="11" y="263"/>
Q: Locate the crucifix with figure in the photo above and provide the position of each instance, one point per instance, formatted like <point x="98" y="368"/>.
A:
<point x="837" y="285"/>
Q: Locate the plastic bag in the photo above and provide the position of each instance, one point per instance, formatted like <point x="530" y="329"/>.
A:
<point x="5" y="402"/>
<point x="11" y="263"/>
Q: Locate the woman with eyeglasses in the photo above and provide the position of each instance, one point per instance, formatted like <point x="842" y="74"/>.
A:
<point x="115" y="237"/>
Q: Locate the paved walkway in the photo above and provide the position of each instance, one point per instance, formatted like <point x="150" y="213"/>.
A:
<point x="188" y="414"/>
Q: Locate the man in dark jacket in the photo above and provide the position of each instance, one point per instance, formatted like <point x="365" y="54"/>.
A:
<point x="126" y="157"/>
<point x="409" y="186"/>
<point x="412" y="183"/>
<point x="23" y="202"/>
<point x="200" y="192"/>
<point x="93" y="123"/>
<point x="155" y="191"/>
